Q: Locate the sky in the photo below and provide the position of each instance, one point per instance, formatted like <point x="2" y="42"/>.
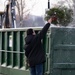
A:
<point x="39" y="7"/>
<point x="2" y="5"/>
<point x="39" y="4"/>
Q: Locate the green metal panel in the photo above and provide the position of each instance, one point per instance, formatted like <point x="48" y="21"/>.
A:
<point x="16" y="41"/>
<point x="12" y="71"/>
<point x="62" y="58"/>
<point x="12" y="57"/>
<point x="3" y="57"/>
<point x="9" y="59"/>
<point x="22" y="36"/>
<point x="15" y="60"/>
<point x="47" y="44"/>
<point x="0" y="40"/>
<point x="3" y="40"/>
<point x="21" y="60"/>
<point x="0" y="45"/>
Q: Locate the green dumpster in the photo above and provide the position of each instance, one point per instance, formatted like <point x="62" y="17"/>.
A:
<point x="62" y="54"/>
<point x="12" y="58"/>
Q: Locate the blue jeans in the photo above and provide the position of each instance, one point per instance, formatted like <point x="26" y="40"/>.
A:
<point x="36" y="70"/>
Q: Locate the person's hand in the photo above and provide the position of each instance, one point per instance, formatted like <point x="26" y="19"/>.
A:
<point x="50" y="20"/>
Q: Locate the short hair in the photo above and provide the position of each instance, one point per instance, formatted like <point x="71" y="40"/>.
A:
<point x="30" y="31"/>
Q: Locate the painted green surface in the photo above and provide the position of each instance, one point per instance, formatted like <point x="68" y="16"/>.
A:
<point x="12" y="71"/>
<point x="62" y="51"/>
<point x="59" y="45"/>
<point x="12" y="57"/>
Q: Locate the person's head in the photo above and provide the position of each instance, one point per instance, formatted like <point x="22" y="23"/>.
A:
<point x="30" y="32"/>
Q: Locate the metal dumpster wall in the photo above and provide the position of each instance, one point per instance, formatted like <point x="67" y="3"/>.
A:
<point x="62" y="61"/>
<point x="12" y="58"/>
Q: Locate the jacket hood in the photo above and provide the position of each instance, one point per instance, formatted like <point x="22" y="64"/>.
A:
<point x="29" y="38"/>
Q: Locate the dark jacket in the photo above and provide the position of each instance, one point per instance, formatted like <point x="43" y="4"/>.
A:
<point x="34" y="50"/>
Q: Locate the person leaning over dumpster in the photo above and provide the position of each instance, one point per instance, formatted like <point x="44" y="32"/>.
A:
<point x="34" y="50"/>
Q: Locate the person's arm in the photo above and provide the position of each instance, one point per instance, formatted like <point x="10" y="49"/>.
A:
<point x="45" y="28"/>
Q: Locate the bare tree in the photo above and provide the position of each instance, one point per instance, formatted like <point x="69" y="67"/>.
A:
<point x="62" y="3"/>
<point x="23" y="11"/>
<point x="73" y="7"/>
